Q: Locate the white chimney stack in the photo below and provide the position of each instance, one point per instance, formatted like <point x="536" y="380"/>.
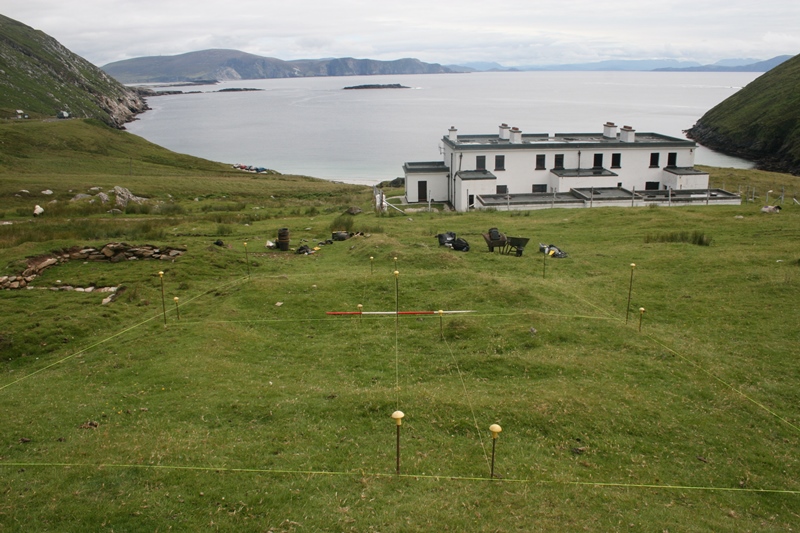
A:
<point x="610" y="130"/>
<point x="453" y="134"/>
<point x="516" y="135"/>
<point x="627" y="134"/>
<point x="504" y="132"/>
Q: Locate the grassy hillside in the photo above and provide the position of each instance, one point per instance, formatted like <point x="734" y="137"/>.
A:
<point x="41" y="78"/>
<point x="253" y="410"/>
<point x="761" y="121"/>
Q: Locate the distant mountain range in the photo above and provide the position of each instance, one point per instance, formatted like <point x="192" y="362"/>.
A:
<point x="758" y="66"/>
<point x="226" y="65"/>
<point x="659" y="65"/>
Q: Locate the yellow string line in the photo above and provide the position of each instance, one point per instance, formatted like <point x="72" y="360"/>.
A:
<point x="725" y="383"/>
<point x="707" y="372"/>
<point x="469" y="403"/>
<point x="103" y="341"/>
<point x="436" y="477"/>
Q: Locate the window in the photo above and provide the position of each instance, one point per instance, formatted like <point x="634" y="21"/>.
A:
<point x="499" y="162"/>
<point x="651" y="185"/>
<point x="541" y="162"/>
<point x="598" y="161"/>
<point x="502" y="189"/>
<point x="616" y="160"/>
<point x="480" y="162"/>
<point x="672" y="159"/>
<point x="654" y="159"/>
<point x="559" y="162"/>
<point x="539" y="188"/>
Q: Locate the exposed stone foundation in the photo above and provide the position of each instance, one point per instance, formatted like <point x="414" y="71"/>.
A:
<point x="113" y="252"/>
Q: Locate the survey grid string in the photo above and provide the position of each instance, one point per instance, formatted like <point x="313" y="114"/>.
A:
<point x="415" y="477"/>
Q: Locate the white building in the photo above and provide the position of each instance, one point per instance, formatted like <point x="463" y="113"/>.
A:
<point x="513" y="170"/>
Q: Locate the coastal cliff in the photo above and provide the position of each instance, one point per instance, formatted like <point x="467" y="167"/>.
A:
<point x="42" y="78"/>
<point x="761" y="122"/>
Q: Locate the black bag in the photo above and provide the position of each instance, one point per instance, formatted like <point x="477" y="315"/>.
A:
<point x="460" y="245"/>
<point x="446" y="238"/>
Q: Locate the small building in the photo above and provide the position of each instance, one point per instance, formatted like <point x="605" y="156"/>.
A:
<point x="514" y="170"/>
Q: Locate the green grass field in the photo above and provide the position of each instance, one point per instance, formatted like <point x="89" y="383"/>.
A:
<point x="246" y="415"/>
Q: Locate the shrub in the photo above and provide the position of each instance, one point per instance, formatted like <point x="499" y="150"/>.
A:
<point x="170" y="209"/>
<point x="696" y="237"/>
<point x="342" y="223"/>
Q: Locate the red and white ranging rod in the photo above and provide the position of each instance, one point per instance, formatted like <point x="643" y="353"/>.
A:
<point x="395" y="312"/>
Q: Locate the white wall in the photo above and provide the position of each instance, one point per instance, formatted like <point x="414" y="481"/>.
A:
<point x="436" y="185"/>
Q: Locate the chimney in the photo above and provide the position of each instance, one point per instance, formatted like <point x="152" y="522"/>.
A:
<point x="453" y="134"/>
<point x="610" y="130"/>
<point x="504" y="132"/>
<point x="516" y="135"/>
<point x="627" y="134"/>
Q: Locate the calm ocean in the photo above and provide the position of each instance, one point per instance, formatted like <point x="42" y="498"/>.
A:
<point x="312" y="127"/>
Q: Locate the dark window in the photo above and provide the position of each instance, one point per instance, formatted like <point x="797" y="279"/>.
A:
<point x="559" y="162"/>
<point x="616" y="160"/>
<point x="471" y="200"/>
<point x="502" y="189"/>
<point x="499" y="162"/>
<point x="598" y="161"/>
<point x="651" y="185"/>
<point x="672" y="159"/>
<point x="541" y="162"/>
<point x="654" y="159"/>
<point x="480" y="162"/>
<point x="539" y="188"/>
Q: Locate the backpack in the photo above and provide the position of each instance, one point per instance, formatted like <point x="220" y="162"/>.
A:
<point x="461" y="245"/>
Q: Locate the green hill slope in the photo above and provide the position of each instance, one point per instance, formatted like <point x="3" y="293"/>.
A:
<point x="86" y="147"/>
<point x="41" y="78"/>
<point x="224" y="65"/>
<point x="760" y="122"/>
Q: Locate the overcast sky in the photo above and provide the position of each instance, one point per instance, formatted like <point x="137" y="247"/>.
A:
<point x="511" y="32"/>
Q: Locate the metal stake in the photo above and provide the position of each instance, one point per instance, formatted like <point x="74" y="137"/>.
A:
<point x="398" y="418"/>
<point x="163" y="300"/>
<point x="177" y="309"/>
<point x="247" y="258"/>
<point x="641" y="315"/>
<point x="495" y="429"/>
<point x="630" y="290"/>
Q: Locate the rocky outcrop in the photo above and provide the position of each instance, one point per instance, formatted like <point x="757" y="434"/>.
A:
<point x="113" y="252"/>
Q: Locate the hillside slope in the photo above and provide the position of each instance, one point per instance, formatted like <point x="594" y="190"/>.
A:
<point x="760" y="122"/>
<point x="222" y="65"/>
<point x="41" y="77"/>
<point x="87" y="147"/>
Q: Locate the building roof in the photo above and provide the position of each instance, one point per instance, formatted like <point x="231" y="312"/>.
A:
<point x="425" y="167"/>
<point x="582" y="172"/>
<point x="564" y="141"/>
<point x="684" y="171"/>
<point x="476" y="175"/>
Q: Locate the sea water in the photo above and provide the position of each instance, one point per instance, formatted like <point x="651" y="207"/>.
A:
<point x="313" y="127"/>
